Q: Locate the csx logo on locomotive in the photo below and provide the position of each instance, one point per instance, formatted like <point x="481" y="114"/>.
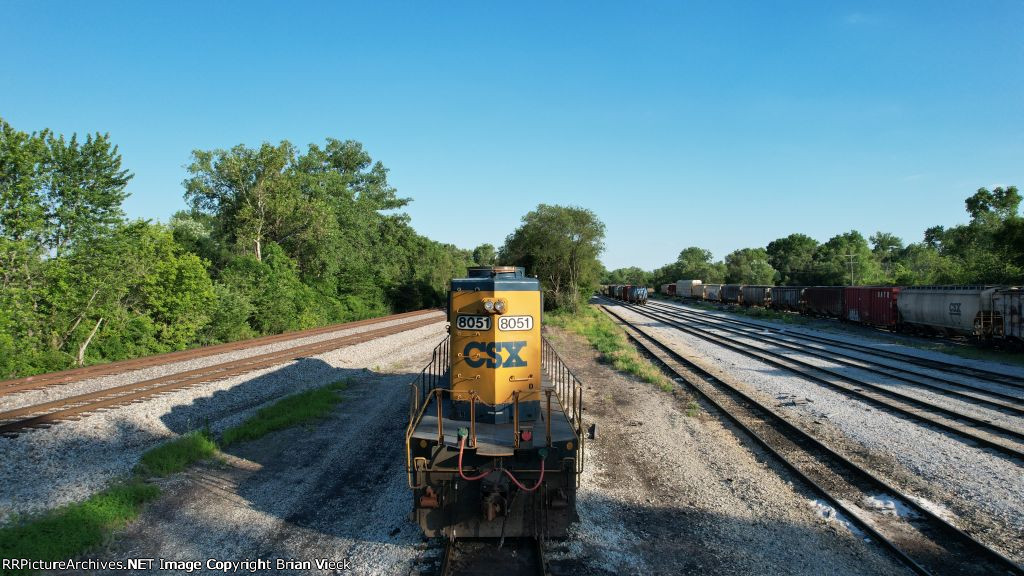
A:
<point x="477" y="354"/>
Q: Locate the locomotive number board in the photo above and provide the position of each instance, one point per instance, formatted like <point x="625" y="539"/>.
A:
<point x="515" y="323"/>
<point x="467" y="322"/>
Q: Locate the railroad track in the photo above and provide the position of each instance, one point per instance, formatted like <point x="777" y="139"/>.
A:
<point x="983" y="395"/>
<point x="968" y="428"/>
<point x="515" y="557"/>
<point x="926" y="543"/>
<point x="40" y="381"/>
<point x="906" y="359"/>
<point x="74" y="407"/>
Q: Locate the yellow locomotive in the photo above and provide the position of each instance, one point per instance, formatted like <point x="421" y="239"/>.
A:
<point x="494" y="446"/>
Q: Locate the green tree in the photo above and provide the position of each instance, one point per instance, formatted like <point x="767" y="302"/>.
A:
<point x="887" y="249"/>
<point x="560" y="245"/>
<point x="984" y="250"/>
<point x="85" y="186"/>
<point x="793" y="257"/>
<point x="846" y="259"/>
<point x="692" y="263"/>
<point x="631" y="275"/>
<point x="749" y="266"/>
<point x="484" y="255"/>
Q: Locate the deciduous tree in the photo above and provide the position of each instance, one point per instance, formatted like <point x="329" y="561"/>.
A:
<point x="560" y="245"/>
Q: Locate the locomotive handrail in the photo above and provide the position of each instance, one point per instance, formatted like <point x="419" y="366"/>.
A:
<point x="568" y="392"/>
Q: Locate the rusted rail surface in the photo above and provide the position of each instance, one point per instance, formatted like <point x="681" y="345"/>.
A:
<point x="41" y="381"/>
<point x="71" y="408"/>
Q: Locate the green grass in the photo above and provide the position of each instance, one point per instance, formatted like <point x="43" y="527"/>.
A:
<point x="68" y="531"/>
<point x="177" y="455"/>
<point x="303" y="407"/>
<point x="605" y="336"/>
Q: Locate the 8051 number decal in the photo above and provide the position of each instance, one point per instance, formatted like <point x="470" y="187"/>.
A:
<point x="464" y="322"/>
<point x="514" y="323"/>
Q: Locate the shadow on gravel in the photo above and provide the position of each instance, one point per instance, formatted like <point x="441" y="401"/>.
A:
<point x="666" y="537"/>
<point x="302" y="375"/>
<point x="333" y="486"/>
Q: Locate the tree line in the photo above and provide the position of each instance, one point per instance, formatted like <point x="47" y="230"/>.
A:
<point x="275" y="239"/>
<point x="989" y="249"/>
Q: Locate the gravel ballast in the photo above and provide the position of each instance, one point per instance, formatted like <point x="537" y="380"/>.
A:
<point x="978" y="489"/>
<point x="666" y="490"/>
<point x="67" y="462"/>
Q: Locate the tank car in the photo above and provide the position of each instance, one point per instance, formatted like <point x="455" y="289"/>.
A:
<point x="494" y="445"/>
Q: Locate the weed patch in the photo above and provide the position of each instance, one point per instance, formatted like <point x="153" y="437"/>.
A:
<point x="67" y="531"/>
<point x="611" y="342"/>
<point x="301" y="408"/>
<point x="177" y="455"/>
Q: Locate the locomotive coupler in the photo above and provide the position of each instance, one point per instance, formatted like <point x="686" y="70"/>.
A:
<point x="494" y="496"/>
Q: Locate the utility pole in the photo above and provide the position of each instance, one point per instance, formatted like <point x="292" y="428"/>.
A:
<point x="852" y="258"/>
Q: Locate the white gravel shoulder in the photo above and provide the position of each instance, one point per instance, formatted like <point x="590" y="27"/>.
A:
<point x="974" y="478"/>
<point x="881" y="341"/>
<point x="898" y="387"/>
<point x="31" y="397"/>
<point x="66" y="463"/>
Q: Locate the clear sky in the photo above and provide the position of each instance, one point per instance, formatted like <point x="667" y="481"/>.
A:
<point x="718" y="124"/>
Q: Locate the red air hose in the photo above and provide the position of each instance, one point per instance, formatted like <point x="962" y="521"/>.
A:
<point x="462" y="446"/>
<point x="524" y="488"/>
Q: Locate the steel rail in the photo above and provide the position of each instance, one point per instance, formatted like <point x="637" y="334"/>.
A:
<point x="477" y="561"/>
<point x="977" y="373"/>
<point x="40" y="381"/>
<point x="1009" y="403"/>
<point x="13" y="421"/>
<point x="926" y="543"/>
<point x="991" y="440"/>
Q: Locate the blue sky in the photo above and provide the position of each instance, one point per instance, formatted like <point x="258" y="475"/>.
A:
<point x="718" y="124"/>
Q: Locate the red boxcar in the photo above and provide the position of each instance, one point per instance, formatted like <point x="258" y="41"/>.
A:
<point x="872" y="305"/>
<point x="823" y="301"/>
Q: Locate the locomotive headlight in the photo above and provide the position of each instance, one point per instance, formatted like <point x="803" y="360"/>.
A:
<point x="499" y="306"/>
<point x="489" y="305"/>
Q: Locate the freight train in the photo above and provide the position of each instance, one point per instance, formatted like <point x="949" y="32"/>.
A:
<point x="627" y="293"/>
<point x="987" y="313"/>
<point x="494" y="444"/>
